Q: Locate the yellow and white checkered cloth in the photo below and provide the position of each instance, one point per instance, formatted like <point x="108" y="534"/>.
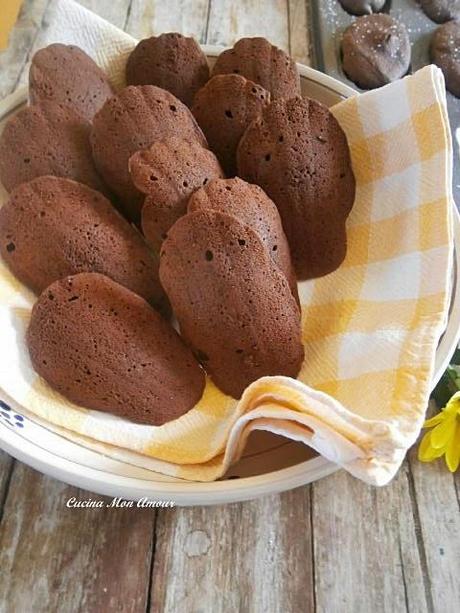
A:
<point x="370" y="329"/>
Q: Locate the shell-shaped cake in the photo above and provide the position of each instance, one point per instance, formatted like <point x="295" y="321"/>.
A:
<point x="168" y="172"/>
<point x="444" y="52"/>
<point x="297" y="152"/>
<point x="376" y="50"/>
<point x="52" y="227"/>
<point x="260" y="61"/>
<point x="233" y="304"/>
<point x="362" y="7"/>
<point x="224" y="108"/>
<point x="250" y="205"/>
<point x="132" y="120"/>
<point x="66" y="74"/>
<point x="171" y="61"/>
<point x="47" y="139"/>
<point x="103" y="347"/>
<point x="441" y="11"/>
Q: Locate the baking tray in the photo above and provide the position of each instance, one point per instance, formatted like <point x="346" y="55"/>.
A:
<point x="329" y="20"/>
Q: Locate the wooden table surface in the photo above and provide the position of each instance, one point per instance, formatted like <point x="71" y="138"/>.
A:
<point x="336" y="546"/>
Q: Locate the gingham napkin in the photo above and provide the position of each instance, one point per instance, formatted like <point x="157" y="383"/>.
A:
<point x="370" y="329"/>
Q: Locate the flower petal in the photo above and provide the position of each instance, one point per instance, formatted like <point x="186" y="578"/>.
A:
<point x="427" y="453"/>
<point x="443" y="432"/>
<point x="434" y="421"/>
<point x="453" y="451"/>
<point x="453" y="406"/>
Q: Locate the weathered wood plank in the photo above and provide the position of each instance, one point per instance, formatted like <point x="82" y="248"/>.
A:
<point x="299" y="46"/>
<point x="149" y="17"/>
<point x="114" y="11"/>
<point x="229" y="21"/>
<point x="375" y="550"/>
<point x="438" y="512"/>
<point x="254" y="556"/>
<point x="22" y="37"/>
<point x="54" y="558"/>
<point x="457" y="486"/>
<point x="6" y="467"/>
<point x="365" y="544"/>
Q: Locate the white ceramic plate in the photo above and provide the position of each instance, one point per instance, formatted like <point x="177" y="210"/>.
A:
<point x="270" y="463"/>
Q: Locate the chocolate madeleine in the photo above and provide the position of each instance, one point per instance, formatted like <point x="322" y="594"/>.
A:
<point x="66" y="74"/>
<point x="171" y="61"/>
<point x="260" y="61"/>
<point x="47" y="139"/>
<point x="297" y="152"/>
<point x="250" y="205"/>
<point x="362" y="7"/>
<point x="51" y="228"/>
<point x="444" y="52"/>
<point x="233" y="304"/>
<point x="376" y="50"/>
<point x="224" y="108"/>
<point x="441" y="11"/>
<point x="103" y="347"/>
<point x="168" y="172"/>
<point x="132" y="120"/>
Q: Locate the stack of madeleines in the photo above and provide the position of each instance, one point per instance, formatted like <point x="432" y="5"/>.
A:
<point x="200" y="194"/>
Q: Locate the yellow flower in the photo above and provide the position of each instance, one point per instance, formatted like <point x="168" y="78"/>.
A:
<point x="444" y="438"/>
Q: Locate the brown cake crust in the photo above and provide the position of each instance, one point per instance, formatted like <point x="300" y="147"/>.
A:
<point x="224" y="108"/>
<point x="66" y="74"/>
<point x="103" y="347"/>
<point x="260" y="61"/>
<point x="234" y="306"/>
<point x="251" y="206"/>
<point x="168" y="172"/>
<point x="362" y="7"/>
<point x="132" y="120"/>
<point x="441" y="11"/>
<point x="47" y="139"/>
<point x="171" y="61"/>
<point x="376" y="50"/>
<point x="51" y="228"/>
<point x="445" y="53"/>
<point x="297" y="152"/>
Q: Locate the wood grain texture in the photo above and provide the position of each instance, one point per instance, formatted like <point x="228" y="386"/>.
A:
<point x="299" y="45"/>
<point x="6" y="467"/>
<point x="438" y="515"/>
<point x="14" y="58"/>
<point x="337" y="546"/>
<point x="53" y="558"/>
<point x="254" y="556"/>
<point x="115" y="11"/>
<point x="147" y="17"/>
<point x="366" y="537"/>
<point x="229" y="21"/>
